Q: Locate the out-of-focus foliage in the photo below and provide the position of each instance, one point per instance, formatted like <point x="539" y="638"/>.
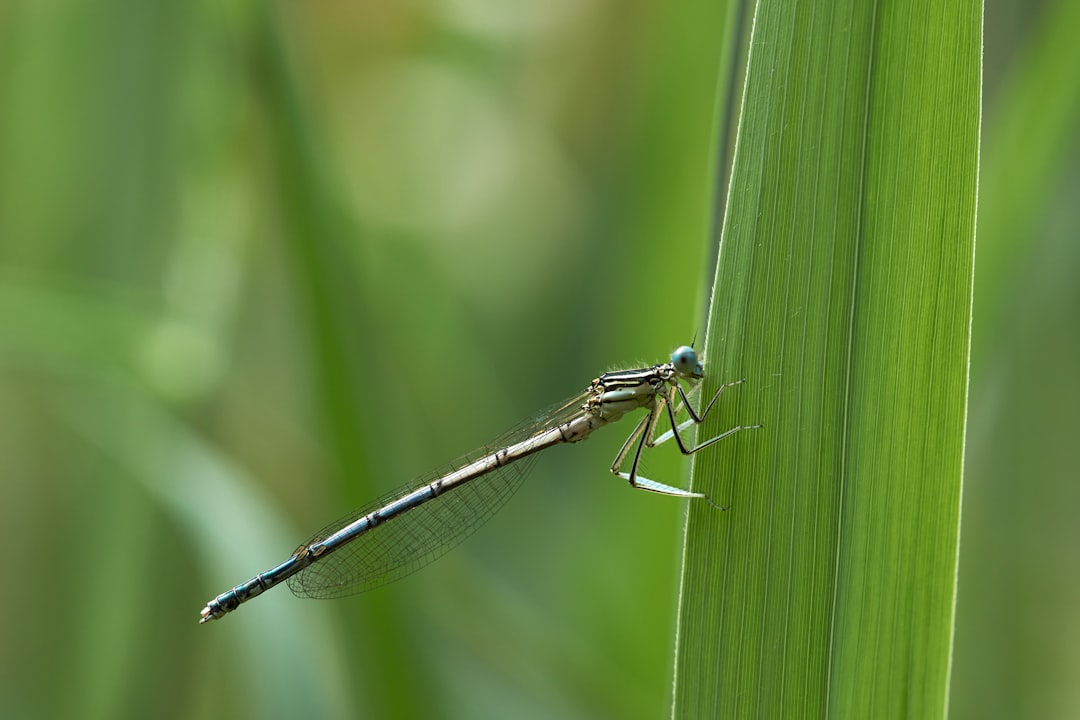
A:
<point x="260" y="263"/>
<point x="1018" y="624"/>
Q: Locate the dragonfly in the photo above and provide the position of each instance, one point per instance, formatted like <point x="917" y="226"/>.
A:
<point x="412" y="526"/>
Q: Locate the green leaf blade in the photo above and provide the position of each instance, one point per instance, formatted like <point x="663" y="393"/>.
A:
<point x="843" y="293"/>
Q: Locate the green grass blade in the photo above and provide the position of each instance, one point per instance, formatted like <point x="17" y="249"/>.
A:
<point x="843" y="295"/>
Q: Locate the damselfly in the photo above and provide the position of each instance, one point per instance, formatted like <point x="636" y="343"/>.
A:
<point x="408" y="528"/>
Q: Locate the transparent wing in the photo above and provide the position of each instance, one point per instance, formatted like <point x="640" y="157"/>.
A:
<point x="405" y="543"/>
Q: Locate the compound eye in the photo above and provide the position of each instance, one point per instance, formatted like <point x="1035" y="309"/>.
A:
<point x="686" y="363"/>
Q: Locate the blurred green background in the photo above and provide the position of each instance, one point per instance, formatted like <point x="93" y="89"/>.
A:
<point x="260" y="264"/>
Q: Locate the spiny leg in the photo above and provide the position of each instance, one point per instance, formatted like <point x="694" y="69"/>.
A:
<point x="715" y="397"/>
<point x="695" y="419"/>
<point x="677" y="428"/>
<point x="649" y="441"/>
<point x="644" y="431"/>
<point x="625" y="449"/>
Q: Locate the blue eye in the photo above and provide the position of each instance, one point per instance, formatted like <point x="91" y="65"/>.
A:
<point x="686" y="362"/>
